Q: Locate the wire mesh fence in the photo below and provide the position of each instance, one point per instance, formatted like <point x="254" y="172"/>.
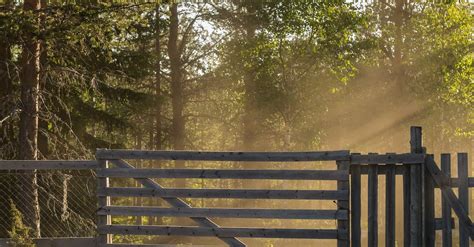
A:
<point x="63" y="201"/>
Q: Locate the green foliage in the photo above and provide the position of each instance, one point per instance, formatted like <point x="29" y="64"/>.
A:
<point x="20" y="234"/>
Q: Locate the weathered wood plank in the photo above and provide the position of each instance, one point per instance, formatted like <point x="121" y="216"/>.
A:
<point x="429" y="201"/>
<point x="390" y="206"/>
<point x="223" y="156"/>
<point x="447" y="237"/>
<point x="343" y="204"/>
<point x="225" y="174"/>
<point x="225" y="212"/>
<point x="440" y="222"/>
<point x="176" y="202"/>
<point x="220" y="232"/>
<point x="225" y="193"/>
<point x="48" y="164"/>
<point x="355" y="205"/>
<point x="455" y="182"/>
<point x="381" y="159"/>
<point x="415" y="206"/>
<point x="463" y="172"/>
<point x="406" y="205"/>
<point x="373" y="206"/>
<point x="416" y="188"/>
<point x="103" y="201"/>
<point x="447" y="192"/>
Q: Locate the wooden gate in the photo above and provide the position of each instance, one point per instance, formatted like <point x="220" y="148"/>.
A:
<point x="113" y="165"/>
<point x="421" y="176"/>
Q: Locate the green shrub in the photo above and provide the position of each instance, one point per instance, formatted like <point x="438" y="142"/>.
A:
<point x="20" y="234"/>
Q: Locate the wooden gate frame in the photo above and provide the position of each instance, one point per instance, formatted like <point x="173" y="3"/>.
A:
<point x="200" y="216"/>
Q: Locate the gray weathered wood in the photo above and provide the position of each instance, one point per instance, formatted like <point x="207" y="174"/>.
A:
<point x="221" y="232"/>
<point x="390" y="206"/>
<point x="48" y="164"/>
<point x="373" y="206"/>
<point x="225" y="174"/>
<point x="455" y="182"/>
<point x="415" y="206"/>
<point x="382" y="159"/>
<point x="355" y="205"/>
<point x="343" y="204"/>
<point x="225" y="193"/>
<point x="226" y="212"/>
<point x="440" y="222"/>
<point x="448" y="194"/>
<point x="416" y="188"/>
<point x="447" y="237"/>
<point x="103" y="201"/>
<point x="463" y="195"/>
<point x="429" y="201"/>
<point x="223" y="156"/>
<point x="406" y="205"/>
<point x="176" y="202"/>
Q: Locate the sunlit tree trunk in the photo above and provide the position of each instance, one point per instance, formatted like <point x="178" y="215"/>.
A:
<point x="158" y="99"/>
<point x="250" y="118"/>
<point x="28" y="135"/>
<point x="176" y="71"/>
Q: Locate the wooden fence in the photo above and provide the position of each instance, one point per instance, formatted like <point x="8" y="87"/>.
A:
<point x="421" y="176"/>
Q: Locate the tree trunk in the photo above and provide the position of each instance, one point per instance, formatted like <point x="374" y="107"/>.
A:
<point x="251" y="116"/>
<point x="176" y="80"/>
<point x="158" y="100"/>
<point x="28" y="135"/>
<point x="7" y="109"/>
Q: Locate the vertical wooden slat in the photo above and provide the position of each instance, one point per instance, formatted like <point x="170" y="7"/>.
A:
<point x="355" y="205"/>
<point x="416" y="227"/>
<point x="390" y="206"/>
<point x="102" y="202"/>
<point x="406" y="205"/>
<point x="429" y="209"/>
<point x="463" y="195"/>
<point x="446" y="209"/>
<point x="343" y="225"/>
<point x="372" y="205"/>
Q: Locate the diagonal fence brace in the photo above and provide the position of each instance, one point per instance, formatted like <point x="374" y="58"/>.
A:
<point x="178" y="203"/>
<point x="448" y="194"/>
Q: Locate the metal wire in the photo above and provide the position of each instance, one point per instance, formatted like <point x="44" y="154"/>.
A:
<point x="67" y="201"/>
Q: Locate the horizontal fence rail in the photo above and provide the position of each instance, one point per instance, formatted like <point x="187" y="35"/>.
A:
<point x="48" y="164"/>
<point x="226" y="193"/>
<point x="226" y="213"/>
<point x="223" y="156"/>
<point x="222" y="232"/>
<point x="224" y="174"/>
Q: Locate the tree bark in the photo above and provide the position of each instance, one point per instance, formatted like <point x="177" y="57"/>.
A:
<point x="251" y="115"/>
<point x="158" y="100"/>
<point x="28" y="135"/>
<point x="177" y="101"/>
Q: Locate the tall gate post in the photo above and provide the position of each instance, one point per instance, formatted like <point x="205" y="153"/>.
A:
<point x="416" y="191"/>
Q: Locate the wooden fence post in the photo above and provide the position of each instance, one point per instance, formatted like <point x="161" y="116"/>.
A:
<point x="390" y="206"/>
<point x="416" y="201"/>
<point x="429" y="203"/>
<point x="355" y="205"/>
<point x="373" y="205"/>
<point x="343" y="225"/>
<point x="463" y="195"/>
<point x="103" y="201"/>
<point x="446" y="209"/>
